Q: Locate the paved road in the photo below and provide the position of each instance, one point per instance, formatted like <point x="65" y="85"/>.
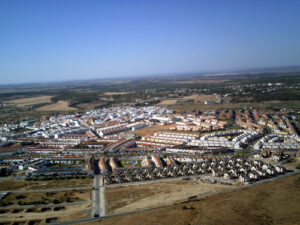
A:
<point x="102" y="200"/>
<point x="157" y="207"/>
<point x="96" y="197"/>
<point x="50" y="190"/>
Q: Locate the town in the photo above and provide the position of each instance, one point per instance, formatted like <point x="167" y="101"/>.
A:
<point x="128" y="145"/>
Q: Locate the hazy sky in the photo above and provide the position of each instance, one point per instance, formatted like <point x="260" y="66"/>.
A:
<point x="49" y="40"/>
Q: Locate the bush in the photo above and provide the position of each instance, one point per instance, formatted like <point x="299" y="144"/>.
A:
<point x="3" y="204"/>
<point x="49" y="193"/>
<point x="20" y="196"/>
<point x="184" y="207"/>
<point x="55" y="201"/>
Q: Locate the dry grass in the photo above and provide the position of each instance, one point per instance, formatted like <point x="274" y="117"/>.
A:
<point x="70" y="213"/>
<point x="128" y="198"/>
<point x="61" y="196"/>
<point x="276" y="202"/>
<point x="22" y="102"/>
<point x="59" y="106"/>
<point x="203" y="98"/>
<point x="168" y="102"/>
<point x="151" y="130"/>
<point x="7" y="185"/>
<point x="196" y="98"/>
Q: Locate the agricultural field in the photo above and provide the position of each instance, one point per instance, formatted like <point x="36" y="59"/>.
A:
<point x="275" y="202"/>
<point x="44" y="215"/>
<point x="194" y="98"/>
<point x="128" y="198"/>
<point x="118" y="93"/>
<point x="275" y="105"/>
<point x="20" y="184"/>
<point x="203" y="81"/>
<point x="33" y="198"/>
<point x="23" y="102"/>
<point x="59" y="106"/>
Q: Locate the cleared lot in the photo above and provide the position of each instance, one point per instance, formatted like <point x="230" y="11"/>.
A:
<point x="151" y="130"/>
<point x="127" y="198"/>
<point x="276" y="202"/>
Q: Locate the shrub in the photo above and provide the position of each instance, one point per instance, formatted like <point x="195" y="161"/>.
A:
<point x="20" y="196"/>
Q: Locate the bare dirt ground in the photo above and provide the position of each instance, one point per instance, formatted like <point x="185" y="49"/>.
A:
<point x="151" y="130"/>
<point x="59" y="106"/>
<point x="69" y="213"/>
<point x="128" y="198"/>
<point x="276" y="202"/>
<point x="168" y="102"/>
<point x="22" y="102"/>
<point x="20" y="184"/>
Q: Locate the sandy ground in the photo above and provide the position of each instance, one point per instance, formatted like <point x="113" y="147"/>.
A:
<point x="22" y="102"/>
<point x="20" y="184"/>
<point x="70" y="213"/>
<point x="151" y="130"/>
<point x="276" y="202"/>
<point x="128" y="198"/>
<point x="59" y="106"/>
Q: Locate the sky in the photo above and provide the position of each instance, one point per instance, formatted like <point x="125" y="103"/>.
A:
<point x="58" y="40"/>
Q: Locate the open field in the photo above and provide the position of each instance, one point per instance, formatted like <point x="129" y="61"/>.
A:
<point x="128" y="198"/>
<point x="203" y="81"/>
<point x="33" y="198"/>
<point x="59" y="106"/>
<point x="168" y="102"/>
<point x="275" y="202"/>
<point x="151" y="130"/>
<point x="20" y="184"/>
<point x="61" y="214"/>
<point x="118" y="93"/>
<point x="189" y="107"/>
<point x="22" y="102"/>
<point x="196" y="98"/>
<point x="203" y="98"/>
